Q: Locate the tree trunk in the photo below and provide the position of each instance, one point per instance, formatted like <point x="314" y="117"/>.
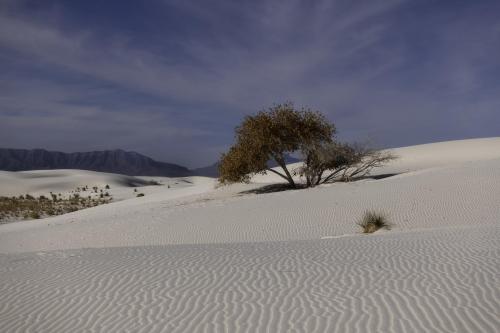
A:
<point x="277" y="173"/>
<point x="281" y="162"/>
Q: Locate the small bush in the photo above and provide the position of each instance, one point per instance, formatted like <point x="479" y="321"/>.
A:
<point x="107" y="187"/>
<point x="373" y="221"/>
<point x="34" y="215"/>
<point x="140" y="195"/>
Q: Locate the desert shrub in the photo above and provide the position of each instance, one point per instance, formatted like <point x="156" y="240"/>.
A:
<point x="336" y="161"/>
<point x="107" y="187"/>
<point x="373" y="221"/>
<point x="140" y="195"/>
<point x="29" y="207"/>
<point x="272" y="134"/>
<point x="34" y="215"/>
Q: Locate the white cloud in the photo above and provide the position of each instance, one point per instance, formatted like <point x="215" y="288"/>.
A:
<point x="352" y="60"/>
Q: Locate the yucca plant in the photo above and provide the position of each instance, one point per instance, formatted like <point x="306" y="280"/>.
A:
<point x="373" y="221"/>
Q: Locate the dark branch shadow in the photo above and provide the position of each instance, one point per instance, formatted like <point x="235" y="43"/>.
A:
<point x="375" y="177"/>
<point x="382" y="176"/>
<point x="273" y="188"/>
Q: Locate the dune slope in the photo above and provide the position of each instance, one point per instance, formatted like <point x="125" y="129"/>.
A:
<point x="431" y="198"/>
<point x="439" y="281"/>
<point x="192" y="258"/>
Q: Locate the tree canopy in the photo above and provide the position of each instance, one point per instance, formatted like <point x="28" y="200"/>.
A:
<point x="271" y="135"/>
<point x="281" y="130"/>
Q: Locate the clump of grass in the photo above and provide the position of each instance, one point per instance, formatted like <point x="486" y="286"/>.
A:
<point x="373" y="221"/>
<point x="140" y="195"/>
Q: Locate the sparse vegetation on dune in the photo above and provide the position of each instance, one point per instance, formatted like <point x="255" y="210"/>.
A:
<point x="27" y="206"/>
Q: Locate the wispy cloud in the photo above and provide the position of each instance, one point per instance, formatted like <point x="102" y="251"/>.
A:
<point x="377" y="68"/>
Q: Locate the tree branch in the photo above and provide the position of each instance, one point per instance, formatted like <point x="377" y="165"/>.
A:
<point x="278" y="173"/>
<point x="281" y="162"/>
<point x="330" y="176"/>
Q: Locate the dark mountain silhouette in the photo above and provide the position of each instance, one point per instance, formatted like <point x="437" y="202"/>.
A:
<point x="113" y="161"/>
<point x="208" y="171"/>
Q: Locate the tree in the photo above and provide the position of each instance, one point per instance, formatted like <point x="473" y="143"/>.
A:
<point x="322" y="163"/>
<point x="271" y="135"/>
<point x="340" y="162"/>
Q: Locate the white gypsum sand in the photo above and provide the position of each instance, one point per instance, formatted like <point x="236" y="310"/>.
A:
<point x="197" y="259"/>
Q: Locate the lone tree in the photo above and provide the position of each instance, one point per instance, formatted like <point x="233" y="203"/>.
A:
<point x="271" y="135"/>
<point x="281" y="130"/>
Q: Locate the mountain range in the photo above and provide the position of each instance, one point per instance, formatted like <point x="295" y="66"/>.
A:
<point x="113" y="161"/>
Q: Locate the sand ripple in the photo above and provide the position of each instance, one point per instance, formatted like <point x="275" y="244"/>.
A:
<point x="433" y="280"/>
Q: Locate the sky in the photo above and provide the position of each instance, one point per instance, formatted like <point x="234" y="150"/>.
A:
<point x="172" y="78"/>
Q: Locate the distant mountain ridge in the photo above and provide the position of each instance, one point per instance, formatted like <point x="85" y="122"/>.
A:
<point x="113" y="161"/>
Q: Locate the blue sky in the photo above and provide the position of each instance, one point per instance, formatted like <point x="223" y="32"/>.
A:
<point x="171" y="79"/>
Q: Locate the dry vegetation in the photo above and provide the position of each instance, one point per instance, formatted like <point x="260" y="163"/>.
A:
<point x="373" y="221"/>
<point x="282" y="130"/>
<point x="30" y="207"/>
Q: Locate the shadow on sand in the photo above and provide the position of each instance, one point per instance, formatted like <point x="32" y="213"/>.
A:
<point x="271" y="188"/>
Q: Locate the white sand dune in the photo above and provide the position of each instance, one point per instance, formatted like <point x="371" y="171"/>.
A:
<point x="426" y="156"/>
<point x="425" y="281"/>
<point x="458" y="194"/>
<point x="42" y="182"/>
<point x="197" y="259"/>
